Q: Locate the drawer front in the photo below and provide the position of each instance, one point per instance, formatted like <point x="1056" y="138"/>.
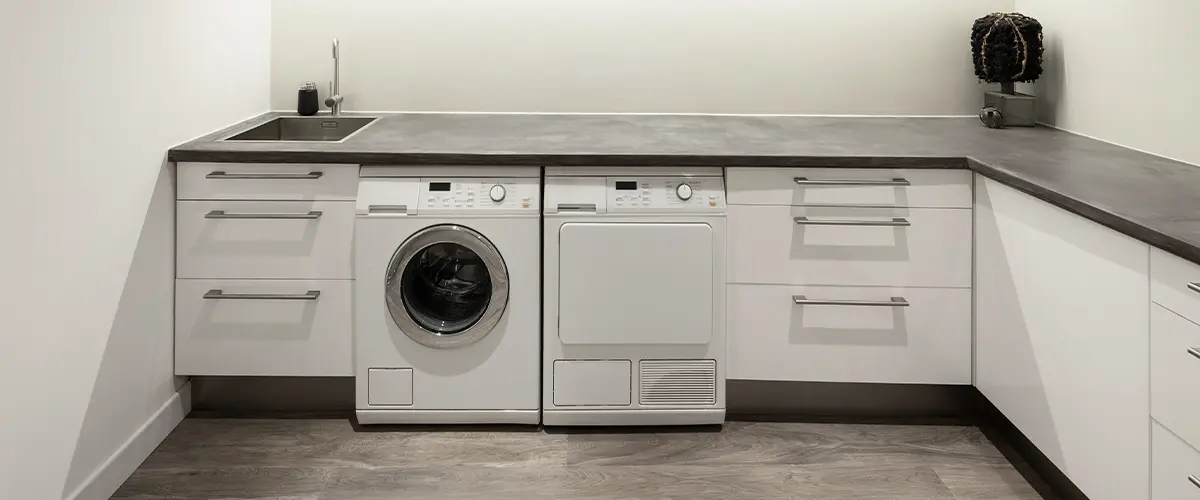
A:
<point x="849" y="186"/>
<point x="1175" y="284"/>
<point x="1175" y="467"/>
<point x="264" y="239"/>
<point x="267" y="181"/>
<point x="274" y="327"/>
<point x="872" y="340"/>
<point x="1175" y="373"/>
<point x="830" y="246"/>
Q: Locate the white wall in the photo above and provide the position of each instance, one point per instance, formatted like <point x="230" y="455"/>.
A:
<point x="902" y="57"/>
<point x="1124" y="71"/>
<point x="94" y="95"/>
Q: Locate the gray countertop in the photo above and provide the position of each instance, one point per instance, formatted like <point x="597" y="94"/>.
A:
<point x="1147" y="197"/>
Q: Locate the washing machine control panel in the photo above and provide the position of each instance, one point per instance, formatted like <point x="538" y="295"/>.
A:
<point x="666" y="194"/>
<point x="453" y="195"/>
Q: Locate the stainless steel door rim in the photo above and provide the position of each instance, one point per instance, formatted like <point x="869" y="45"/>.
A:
<point x="399" y="304"/>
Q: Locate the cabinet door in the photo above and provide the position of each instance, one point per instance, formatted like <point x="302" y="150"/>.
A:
<point x="858" y="334"/>
<point x="1062" y="337"/>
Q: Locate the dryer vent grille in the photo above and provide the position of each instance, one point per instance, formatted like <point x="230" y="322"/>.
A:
<point x="677" y="382"/>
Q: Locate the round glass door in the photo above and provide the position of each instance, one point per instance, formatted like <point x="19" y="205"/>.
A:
<point x="447" y="286"/>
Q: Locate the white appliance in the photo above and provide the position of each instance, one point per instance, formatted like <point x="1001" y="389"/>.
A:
<point x="634" y="310"/>
<point x="447" y="295"/>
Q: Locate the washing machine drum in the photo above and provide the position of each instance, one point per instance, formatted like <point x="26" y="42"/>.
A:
<point x="447" y="286"/>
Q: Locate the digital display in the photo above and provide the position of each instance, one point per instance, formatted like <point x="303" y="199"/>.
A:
<point x="626" y="185"/>
<point x="439" y="186"/>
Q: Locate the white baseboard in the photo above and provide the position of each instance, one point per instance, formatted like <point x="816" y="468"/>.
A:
<point x="102" y="483"/>
<point x="680" y="416"/>
<point x="370" y="417"/>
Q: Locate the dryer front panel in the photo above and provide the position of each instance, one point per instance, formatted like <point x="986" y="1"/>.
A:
<point x="636" y="283"/>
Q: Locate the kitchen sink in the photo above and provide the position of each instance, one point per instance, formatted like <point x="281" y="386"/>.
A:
<point x="305" y="129"/>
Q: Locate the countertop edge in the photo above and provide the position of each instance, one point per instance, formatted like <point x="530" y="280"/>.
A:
<point x="200" y="150"/>
<point x="182" y="154"/>
<point x="1090" y="212"/>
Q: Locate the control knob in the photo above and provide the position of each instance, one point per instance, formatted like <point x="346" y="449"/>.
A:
<point x="497" y="193"/>
<point x="683" y="191"/>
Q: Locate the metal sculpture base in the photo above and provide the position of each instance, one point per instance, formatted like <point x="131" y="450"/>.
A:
<point x="1017" y="109"/>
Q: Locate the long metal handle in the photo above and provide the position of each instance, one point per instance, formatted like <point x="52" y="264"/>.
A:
<point x="221" y="214"/>
<point x="1194" y="352"/>
<point x="801" y="300"/>
<point x="576" y="207"/>
<point x="1194" y="286"/>
<point x="895" y="222"/>
<point x="391" y="209"/>
<point x="1195" y="480"/>
<point x="221" y="174"/>
<point x="216" y="294"/>
<point x="897" y="181"/>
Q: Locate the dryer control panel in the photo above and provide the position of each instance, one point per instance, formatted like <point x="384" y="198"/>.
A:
<point x="697" y="195"/>
<point x="666" y="194"/>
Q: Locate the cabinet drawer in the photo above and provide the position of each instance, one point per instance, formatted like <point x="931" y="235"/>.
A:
<point x="1175" y="467"/>
<point x="1174" y="373"/>
<point x="831" y="246"/>
<point x="266" y="181"/>
<point x="771" y="337"/>
<point x="264" y="239"/>
<point x="1175" y="284"/>
<point x="275" y="327"/>
<point x="849" y="186"/>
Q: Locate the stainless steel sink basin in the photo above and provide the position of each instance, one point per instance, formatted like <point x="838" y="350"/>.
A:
<point x="305" y="129"/>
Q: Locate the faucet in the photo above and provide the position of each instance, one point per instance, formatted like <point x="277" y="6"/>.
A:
<point x="334" y="101"/>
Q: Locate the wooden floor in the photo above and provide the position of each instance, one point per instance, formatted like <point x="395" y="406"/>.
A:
<point x="330" y="459"/>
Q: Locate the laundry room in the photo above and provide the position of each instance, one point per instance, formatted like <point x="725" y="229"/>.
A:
<point x="600" y="249"/>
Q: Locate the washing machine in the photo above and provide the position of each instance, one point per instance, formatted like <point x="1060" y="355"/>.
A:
<point x="634" y="309"/>
<point x="447" y="304"/>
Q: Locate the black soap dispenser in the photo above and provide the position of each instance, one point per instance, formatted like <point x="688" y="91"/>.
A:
<point x="307" y="103"/>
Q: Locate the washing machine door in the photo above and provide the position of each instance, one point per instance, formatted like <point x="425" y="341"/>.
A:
<point x="446" y="286"/>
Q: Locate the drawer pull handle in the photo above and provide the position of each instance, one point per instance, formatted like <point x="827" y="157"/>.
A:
<point x="895" y="222"/>
<point x="221" y="174"/>
<point x="220" y="295"/>
<point x="1195" y="481"/>
<point x="576" y="207"/>
<point x="1194" y="286"/>
<point x="894" y="302"/>
<point x="1195" y="352"/>
<point x="388" y="209"/>
<point x="805" y="181"/>
<point x="221" y="214"/>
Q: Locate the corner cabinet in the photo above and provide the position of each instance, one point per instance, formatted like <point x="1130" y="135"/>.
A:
<point x="1062" y="337"/>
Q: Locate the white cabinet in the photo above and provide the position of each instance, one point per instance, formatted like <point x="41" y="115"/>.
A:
<point x="263" y="327"/>
<point x="850" y="246"/>
<point x="263" y="269"/>
<point x="267" y="181"/>
<point x="872" y="187"/>
<point x="1175" y="284"/>
<point x="264" y="239"/>
<point x="852" y="334"/>
<point x="1175" y="366"/>
<point x="1062" y="341"/>
<point x="1175" y="373"/>
<point x="882" y="259"/>
<point x="1176" y="473"/>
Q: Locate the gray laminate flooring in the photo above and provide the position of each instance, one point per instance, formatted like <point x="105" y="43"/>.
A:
<point x="329" y="459"/>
